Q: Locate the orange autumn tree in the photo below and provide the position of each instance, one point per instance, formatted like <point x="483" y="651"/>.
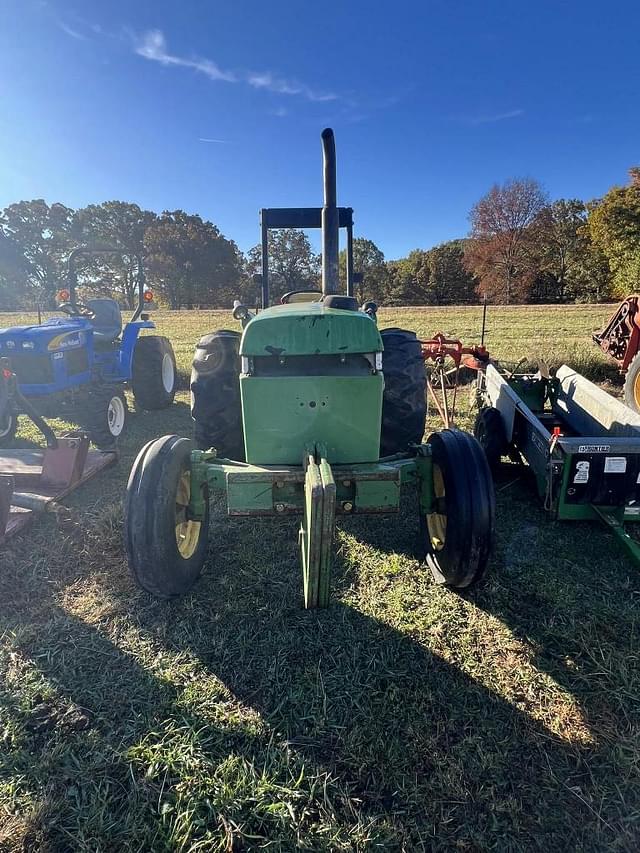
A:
<point x="502" y="249"/>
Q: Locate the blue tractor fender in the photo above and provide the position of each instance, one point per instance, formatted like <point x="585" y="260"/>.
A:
<point x="130" y="336"/>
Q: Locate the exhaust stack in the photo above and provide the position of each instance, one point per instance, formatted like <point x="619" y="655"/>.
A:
<point x="330" y="218"/>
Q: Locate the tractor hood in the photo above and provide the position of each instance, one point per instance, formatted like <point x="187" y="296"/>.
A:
<point x="309" y="328"/>
<point x="55" y="334"/>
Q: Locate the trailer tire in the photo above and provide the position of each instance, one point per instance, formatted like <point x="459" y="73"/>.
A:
<point x="632" y="384"/>
<point x="105" y="414"/>
<point x="404" y="404"/>
<point x="215" y="395"/>
<point x="166" y="551"/>
<point x="458" y="536"/>
<point x="490" y="434"/>
<point x="153" y="373"/>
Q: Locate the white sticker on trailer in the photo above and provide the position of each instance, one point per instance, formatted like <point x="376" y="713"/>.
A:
<point x="615" y="465"/>
<point x="582" y="472"/>
<point x="594" y="448"/>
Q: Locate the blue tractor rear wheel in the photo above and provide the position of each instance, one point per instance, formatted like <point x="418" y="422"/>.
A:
<point x="153" y="377"/>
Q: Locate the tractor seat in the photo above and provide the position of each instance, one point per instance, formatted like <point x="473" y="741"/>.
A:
<point x="107" y="323"/>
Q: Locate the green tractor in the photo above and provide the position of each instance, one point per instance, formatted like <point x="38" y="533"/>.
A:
<point x="311" y="410"/>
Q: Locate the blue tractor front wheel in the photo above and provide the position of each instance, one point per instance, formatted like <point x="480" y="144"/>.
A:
<point x="105" y="414"/>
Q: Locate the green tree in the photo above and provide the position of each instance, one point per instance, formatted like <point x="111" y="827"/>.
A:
<point x="570" y="266"/>
<point x="562" y="242"/>
<point x="409" y="279"/>
<point x="368" y="260"/>
<point x="43" y="236"/>
<point x="122" y="225"/>
<point x="292" y="263"/>
<point x="13" y="271"/>
<point x="449" y="282"/>
<point x="190" y="263"/>
<point x="614" y="226"/>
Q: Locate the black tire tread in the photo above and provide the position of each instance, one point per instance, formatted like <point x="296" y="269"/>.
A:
<point x="94" y="413"/>
<point x="489" y="431"/>
<point x="149" y="507"/>
<point x="146" y="373"/>
<point x="470" y="499"/>
<point x="404" y="404"/>
<point x="216" y="407"/>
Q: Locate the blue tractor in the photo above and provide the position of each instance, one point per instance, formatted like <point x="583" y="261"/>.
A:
<point x="78" y="366"/>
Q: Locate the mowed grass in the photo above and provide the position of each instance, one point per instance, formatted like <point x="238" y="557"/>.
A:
<point x="404" y="717"/>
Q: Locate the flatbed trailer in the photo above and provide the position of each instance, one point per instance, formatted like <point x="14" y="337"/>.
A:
<point x="582" y="444"/>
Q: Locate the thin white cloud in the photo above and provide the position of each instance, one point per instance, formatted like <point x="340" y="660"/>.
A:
<point x="152" y="45"/>
<point x="74" y="34"/>
<point x="492" y="118"/>
<point x="281" y="86"/>
<point x="208" y="139"/>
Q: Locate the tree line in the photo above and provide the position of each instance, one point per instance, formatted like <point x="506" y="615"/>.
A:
<point x="521" y="247"/>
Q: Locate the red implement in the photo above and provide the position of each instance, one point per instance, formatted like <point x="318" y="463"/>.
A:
<point x="438" y="350"/>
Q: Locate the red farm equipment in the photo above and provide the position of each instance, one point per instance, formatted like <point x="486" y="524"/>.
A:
<point x="620" y="339"/>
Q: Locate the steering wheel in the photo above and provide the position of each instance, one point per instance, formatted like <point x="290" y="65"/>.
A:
<point x="77" y="309"/>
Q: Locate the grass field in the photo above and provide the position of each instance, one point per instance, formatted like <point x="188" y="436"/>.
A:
<point x="405" y="717"/>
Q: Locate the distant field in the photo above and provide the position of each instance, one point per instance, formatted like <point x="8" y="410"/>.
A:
<point x="557" y="333"/>
<point x="405" y="717"/>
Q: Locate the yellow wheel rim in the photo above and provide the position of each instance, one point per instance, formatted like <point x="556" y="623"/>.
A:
<point x="187" y="531"/>
<point x="636" y="391"/>
<point x="437" y="521"/>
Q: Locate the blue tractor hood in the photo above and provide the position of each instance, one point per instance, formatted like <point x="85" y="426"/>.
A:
<point x="58" y="333"/>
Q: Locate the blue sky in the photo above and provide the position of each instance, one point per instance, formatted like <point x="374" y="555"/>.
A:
<point x="217" y="107"/>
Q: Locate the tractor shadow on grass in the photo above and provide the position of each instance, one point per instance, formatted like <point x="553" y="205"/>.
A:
<point x="393" y="745"/>
<point x="418" y="749"/>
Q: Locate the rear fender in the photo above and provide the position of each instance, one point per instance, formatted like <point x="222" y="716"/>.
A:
<point x="129" y="339"/>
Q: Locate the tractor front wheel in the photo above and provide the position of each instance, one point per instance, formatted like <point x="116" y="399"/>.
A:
<point x="457" y="534"/>
<point x="153" y="373"/>
<point x="105" y="414"/>
<point x="166" y="549"/>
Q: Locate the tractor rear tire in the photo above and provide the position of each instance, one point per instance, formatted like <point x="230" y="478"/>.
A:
<point x="166" y="550"/>
<point x="153" y="373"/>
<point x="489" y="431"/>
<point x="404" y="404"/>
<point x="215" y="395"/>
<point x="458" y="536"/>
<point x="632" y="384"/>
<point x="105" y="414"/>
